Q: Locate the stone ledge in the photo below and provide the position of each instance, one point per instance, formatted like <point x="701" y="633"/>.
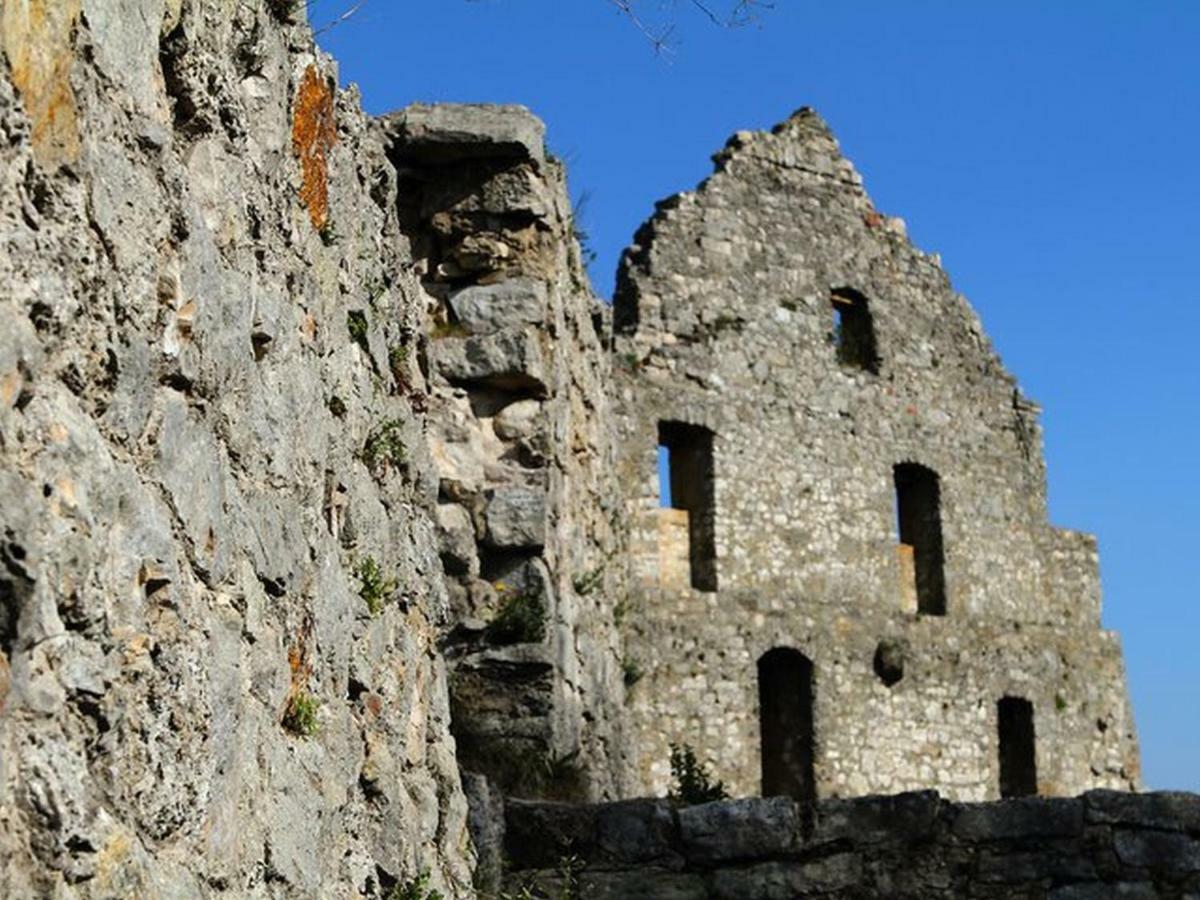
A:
<point x="449" y="132"/>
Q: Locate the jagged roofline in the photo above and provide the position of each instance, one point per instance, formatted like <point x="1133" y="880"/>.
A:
<point x="636" y="256"/>
<point x="803" y="125"/>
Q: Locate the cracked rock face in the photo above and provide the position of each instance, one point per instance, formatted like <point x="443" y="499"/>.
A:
<point x="200" y="691"/>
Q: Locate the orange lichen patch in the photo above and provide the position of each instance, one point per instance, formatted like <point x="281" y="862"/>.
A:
<point x="38" y="39"/>
<point x="313" y="134"/>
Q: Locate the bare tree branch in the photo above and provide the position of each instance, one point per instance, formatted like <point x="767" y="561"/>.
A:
<point x="333" y="23"/>
<point x="740" y="12"/>
<point x="658" y="39"/>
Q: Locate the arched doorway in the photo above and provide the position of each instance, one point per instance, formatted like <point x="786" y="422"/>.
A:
<point x="785" y="703"/>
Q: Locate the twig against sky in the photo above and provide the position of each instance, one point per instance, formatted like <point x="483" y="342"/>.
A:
<point x="740" y="12"/>
<point x="338" y="20"/>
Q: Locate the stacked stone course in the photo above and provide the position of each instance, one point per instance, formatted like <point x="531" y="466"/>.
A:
<point x="914" y="846"/>
<point x="530" y="530"/>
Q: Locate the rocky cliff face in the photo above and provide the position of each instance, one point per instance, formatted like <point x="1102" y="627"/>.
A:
<point x="220" y="587"/>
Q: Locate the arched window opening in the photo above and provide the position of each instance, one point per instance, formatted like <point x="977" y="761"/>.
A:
<point x="854" y="330"/>
<point x="1018" y="758"/>
<point x="919" y="526"/>
<point x="686" y="481"/>
<point x="785" y="703"/>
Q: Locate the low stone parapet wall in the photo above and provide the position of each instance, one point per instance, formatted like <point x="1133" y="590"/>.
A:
<point x="1103" y="844"/>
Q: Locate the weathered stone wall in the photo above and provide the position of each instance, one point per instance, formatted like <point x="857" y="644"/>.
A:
<point x="311" y="446"/>
<point x="1097" y="847"/>
<point x="725" y="321"/>
<point x="530" y="524"/>
<point x="220" y="590"/>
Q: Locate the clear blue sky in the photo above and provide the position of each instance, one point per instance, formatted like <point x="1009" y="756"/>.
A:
<point x="1048" y="151"/>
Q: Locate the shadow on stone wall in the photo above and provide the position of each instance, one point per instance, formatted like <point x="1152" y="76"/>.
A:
<point x="1103" y="844"/>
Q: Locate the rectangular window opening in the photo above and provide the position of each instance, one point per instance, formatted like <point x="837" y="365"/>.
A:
<point x="919" y="526"/>
<point x="1018" y="761"/>
<point x="854" y="330"/>
<point x="686" y="481"/>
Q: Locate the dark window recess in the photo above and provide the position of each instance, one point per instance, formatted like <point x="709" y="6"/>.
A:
<point x="919" y="523"/>
<point x="785" y="703"/>
<point x="687" y="483"/>
<point x="853" y="330"/>
<point x="1018" y="761"/>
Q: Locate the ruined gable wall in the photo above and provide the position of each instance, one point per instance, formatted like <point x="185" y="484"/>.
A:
<point x="210" y="430"/>
<point x="724" y="321"/>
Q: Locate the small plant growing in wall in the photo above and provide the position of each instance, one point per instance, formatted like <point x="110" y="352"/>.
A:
<point x="356" y="324"/>
<point x="384" y="448"/>
<point x="587" y="582"/>
<point x="414" y="889"/>
<point x="300" y="717"/>
<point x="521" y="620"/>
<point x="373" y="587"/>
<point x="397" y="358"/>
<point x="692" y="781"/>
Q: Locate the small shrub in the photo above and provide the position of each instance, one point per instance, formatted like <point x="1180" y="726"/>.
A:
<point x="337" y="406"/>
<point x="384" y="448"/>
<point x="579" y="232"/>
<point x="563" y="774"/>
<point x="356" y="324"/>
<point x="693" y="783"/>
<point x="414" y="889"/>
<point x="300" y="717"/>
<point x="328" y="233"/>
<point x="631" y="672"/>
<point x="1060" y="702"/>
<point x="569" y="868"/>
<point x="373" y="587"/>
<point x="521" y="620"/>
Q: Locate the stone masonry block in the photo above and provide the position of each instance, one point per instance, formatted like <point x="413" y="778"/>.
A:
<point x="509" y="359"/>
<point x="739" y="829"/>
<point x="442" y="133"/>
<point x="485" y="308"/>
<point x="516" y="517"/>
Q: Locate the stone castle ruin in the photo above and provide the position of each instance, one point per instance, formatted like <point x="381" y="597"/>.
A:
<point x="855" y="584"/>
<point x="351" y="546"/>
